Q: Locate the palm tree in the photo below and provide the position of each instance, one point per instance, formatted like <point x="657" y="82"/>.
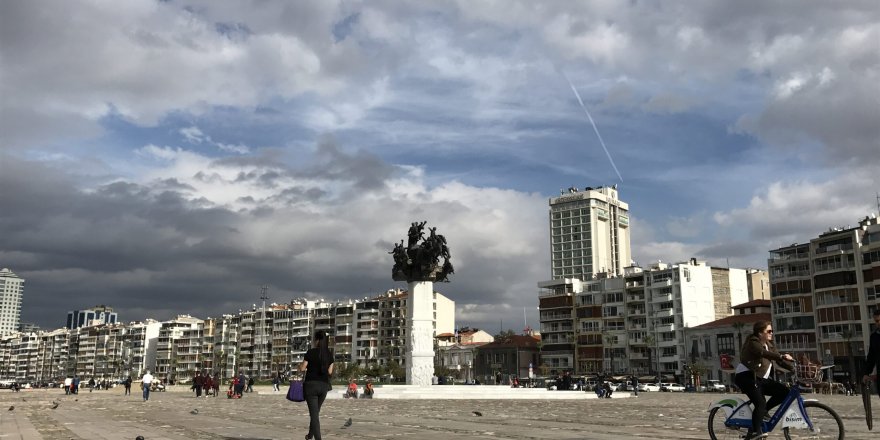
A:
<point x="609" y="340"/>
<point x="649" y="340"/>
<point x="847" y="334"/>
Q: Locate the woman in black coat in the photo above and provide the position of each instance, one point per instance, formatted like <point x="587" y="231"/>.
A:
<point x="318" y="365"/>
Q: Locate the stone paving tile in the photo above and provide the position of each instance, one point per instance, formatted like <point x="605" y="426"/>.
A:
<point x="169" y="416"/>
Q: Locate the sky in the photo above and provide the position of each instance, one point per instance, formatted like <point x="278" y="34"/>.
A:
<point x="170" y="157"/>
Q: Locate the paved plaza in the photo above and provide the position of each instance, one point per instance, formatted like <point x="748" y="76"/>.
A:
<point x="265" y="415"/>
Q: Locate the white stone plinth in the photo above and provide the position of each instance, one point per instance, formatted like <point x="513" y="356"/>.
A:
<point x="420" y="334"/>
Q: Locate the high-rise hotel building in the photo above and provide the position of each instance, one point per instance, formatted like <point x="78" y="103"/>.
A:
<point x="589" y="233"/>
<point x="11" y="289"/>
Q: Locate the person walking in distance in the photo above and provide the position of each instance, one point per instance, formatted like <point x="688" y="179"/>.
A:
<point x="207" y="384"/>
<point x="872" y="360"/>
<point x="216" y="383"/>
<point x="146" y="383"/>
<point x="754" y="372"/>
<point x="127" y="384"/>
<point x="318" y="366"/>
<point x="197" y="384"/>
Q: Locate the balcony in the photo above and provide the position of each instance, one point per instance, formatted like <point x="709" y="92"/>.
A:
<point x="777" y="257"/>
<point x="661" y="298"/>
<point x="664" y="313"/>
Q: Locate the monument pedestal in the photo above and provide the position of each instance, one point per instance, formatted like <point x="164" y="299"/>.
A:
<point x="420" y="336"/>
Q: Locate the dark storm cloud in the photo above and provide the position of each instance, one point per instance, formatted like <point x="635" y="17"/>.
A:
<point x="151" y="251"/>
<point x="366" y="170"/>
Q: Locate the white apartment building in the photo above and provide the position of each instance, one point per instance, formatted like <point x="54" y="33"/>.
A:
<point x="589" y="233"/>
<point x="259" y="342"/>
<point x="169" y="332"/>
<point x="366" y="336"/>
<point x="633" y="324"/>
<point x="11" y="291"/>
<point x="142" y="342"/>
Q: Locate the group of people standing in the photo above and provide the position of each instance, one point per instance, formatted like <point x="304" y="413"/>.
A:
<point x="210" y="385"/>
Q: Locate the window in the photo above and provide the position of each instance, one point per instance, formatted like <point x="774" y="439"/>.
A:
<point x="726" y="343"/>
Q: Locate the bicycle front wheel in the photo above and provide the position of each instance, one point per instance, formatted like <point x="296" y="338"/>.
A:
<point x="718" y="430"/>
<point x="826" y="424"/>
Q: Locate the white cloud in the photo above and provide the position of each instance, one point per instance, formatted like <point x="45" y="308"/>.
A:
<point x="193" y="134"/>
<point x="796" y="211"/>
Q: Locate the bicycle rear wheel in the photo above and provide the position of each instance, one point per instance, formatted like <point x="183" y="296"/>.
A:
<point x="826" y="422"/>
<point x="718" y="430"/>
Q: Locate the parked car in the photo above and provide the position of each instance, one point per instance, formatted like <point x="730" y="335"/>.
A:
<point x="645" y="387"/>
<point x="671" y="387"/>
<point x="715" y="385"/>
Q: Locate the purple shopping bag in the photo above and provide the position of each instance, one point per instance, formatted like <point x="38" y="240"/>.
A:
<point x="295" y="392"/>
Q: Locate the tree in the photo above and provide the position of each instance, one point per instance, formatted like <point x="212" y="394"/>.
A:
<point x="609" y="340"/>
<point x="394" y="369"/>
<point x="505" y="336"/>
<point x="847" y="334"/>
<point x="698" y="369"/>
<point x="649" y="340"/>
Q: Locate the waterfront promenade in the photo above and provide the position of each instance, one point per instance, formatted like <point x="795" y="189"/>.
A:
<point x="266" y="415"/>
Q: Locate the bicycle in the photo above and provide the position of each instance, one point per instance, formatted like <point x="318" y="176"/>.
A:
<point x="800" y="418"/>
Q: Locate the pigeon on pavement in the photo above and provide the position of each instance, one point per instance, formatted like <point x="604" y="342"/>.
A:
<point x="347" y="423"/>
<point x="54" y="404"/>
<point x="194" y="411"/>
<point x="478" y="414"/>
<point x="11" y="407"/>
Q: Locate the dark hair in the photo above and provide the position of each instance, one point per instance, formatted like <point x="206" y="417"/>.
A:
<point x="877" y="311"/>
<point x="324" y="355"/>
<point x="759" y="327"/>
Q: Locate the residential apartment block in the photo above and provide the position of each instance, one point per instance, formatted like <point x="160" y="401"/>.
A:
<point x="11" y="291"/>
<point x="634" y="323"/>
<point x="823" y="294"/>
<point x="259" y="341"/>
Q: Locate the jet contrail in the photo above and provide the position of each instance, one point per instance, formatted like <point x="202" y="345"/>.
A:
<point x="578" y="96"/>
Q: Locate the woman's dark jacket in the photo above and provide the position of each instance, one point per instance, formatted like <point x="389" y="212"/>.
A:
<point x="758" y="359"/>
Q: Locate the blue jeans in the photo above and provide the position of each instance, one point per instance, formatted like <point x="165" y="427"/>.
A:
<point x="315" y="391"/>
<point x="146" y="388"/>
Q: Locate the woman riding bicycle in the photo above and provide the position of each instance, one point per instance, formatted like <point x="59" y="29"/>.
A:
<point x="753" y="374"/>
